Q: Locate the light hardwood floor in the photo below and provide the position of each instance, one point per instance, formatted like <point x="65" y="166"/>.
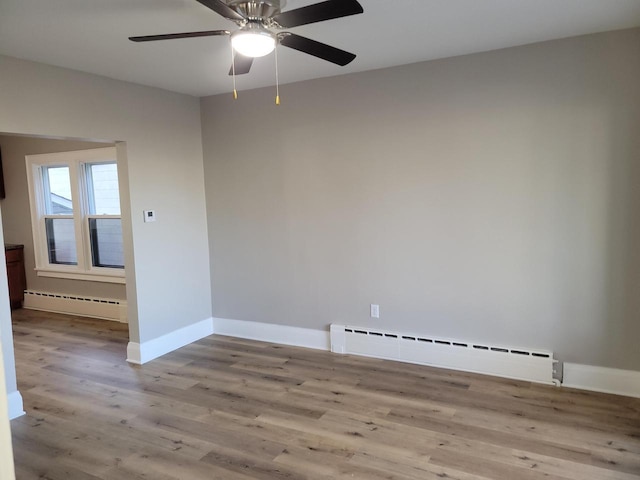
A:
<point x="226" y="408"/>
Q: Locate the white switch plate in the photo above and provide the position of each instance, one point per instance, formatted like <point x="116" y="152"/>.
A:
<point x="375" y="311"/>
<point x="149" y="216"/>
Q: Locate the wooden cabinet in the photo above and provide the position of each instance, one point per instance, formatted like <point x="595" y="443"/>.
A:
<point x="15" y="274"/>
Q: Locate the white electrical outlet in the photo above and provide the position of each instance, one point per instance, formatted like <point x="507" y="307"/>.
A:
<point x="375" y="311"/>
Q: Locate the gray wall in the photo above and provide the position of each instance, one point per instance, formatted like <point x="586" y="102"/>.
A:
<point x="491" y="197"/>
<point x="16" y="214"/>
<point x="160" y="160"/>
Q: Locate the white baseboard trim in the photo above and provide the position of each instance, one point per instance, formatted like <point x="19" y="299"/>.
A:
<point x="602" y="379"/>
<point x="15" y="404"/>
<point x="103" y="308"/>
<point x="269" y="332"/>
<point x="584" y="377"/>
<point x="140" y="353"/>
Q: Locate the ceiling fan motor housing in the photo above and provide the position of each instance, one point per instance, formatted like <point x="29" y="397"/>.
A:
<point x="254" y="10"/>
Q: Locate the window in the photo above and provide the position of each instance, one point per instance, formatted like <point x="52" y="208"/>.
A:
<point x="75" y="215"/>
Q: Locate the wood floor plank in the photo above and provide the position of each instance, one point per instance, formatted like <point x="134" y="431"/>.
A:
<point x="234" y="409"/>
<point x="260" y="469"/>
<point x="379" y="401"/>
<point x="454" y="428"/>
<point x="130" y="427"/>
<point x="489" y="467"/>
<point x="541" y="463"/>
<point x="349" y="437"/>
<point x="423" y="471"/>
<point x="161" y="467"/>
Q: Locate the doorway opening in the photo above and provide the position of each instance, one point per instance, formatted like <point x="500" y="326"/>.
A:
<point x="62" y="232"/>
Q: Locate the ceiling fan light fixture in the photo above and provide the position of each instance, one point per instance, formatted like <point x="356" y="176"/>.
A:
<point x="253" y="42"/>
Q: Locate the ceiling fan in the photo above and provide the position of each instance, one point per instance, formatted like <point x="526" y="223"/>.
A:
<point x="261" y="22"/>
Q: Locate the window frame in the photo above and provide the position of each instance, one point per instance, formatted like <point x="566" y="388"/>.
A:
<point x="75" y="161"/>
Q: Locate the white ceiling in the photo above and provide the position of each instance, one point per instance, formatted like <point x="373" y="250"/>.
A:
<point x="91" y="36"/>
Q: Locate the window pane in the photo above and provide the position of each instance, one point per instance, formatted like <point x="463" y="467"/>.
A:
<point x="106" y="242"/>
<point x="61" y="241"/>
<point x="102" y="186"/>
<point x="57" y="191"/>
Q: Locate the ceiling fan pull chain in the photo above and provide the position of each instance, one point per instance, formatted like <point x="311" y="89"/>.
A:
<point x="233" y="72"/>
<point x="277" y="82"/>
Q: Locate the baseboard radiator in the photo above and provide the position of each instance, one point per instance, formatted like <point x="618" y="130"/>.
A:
<point x="104" y="308"/>
<point x="510" y="362"/>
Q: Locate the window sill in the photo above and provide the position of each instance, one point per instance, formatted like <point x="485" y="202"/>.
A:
<point x="88" y="277"/>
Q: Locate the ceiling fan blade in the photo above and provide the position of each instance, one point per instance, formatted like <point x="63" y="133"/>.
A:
<point x="242" y="64"/>
<point x="170" y="36"/>
<point x="317" y="49"/>
<point x="222" y="8"/>
<point x="318" y="12"/>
